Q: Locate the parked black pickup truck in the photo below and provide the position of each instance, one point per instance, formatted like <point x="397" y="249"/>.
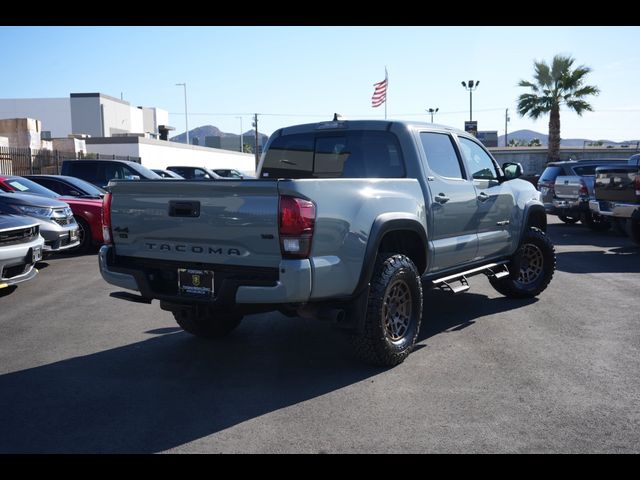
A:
<point x="617" y="192"/>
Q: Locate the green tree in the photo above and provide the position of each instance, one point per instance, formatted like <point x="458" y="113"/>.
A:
<point x="535" y="142"/>
<point x="552" y="87"/>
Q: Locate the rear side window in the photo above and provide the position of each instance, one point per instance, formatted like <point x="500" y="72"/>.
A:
<point x="441" y="155"/>
<point x="550" y="174"/>
<point x="354" y="154"/>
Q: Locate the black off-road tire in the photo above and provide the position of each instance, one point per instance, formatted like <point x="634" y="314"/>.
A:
<point x="394" y="312"/>
<point x="595" y="222"/>
<point x="205" y="324"/>
<point x="569" y="220"/>
<point x="619" y="225"/>
<point x="633" y="229"/>
<point x="531" y="267"/>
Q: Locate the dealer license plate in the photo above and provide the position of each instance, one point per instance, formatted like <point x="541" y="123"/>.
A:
<point x="195" y="282"/>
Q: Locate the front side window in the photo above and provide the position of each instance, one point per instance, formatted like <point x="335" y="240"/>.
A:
<point x="480" y="163"/>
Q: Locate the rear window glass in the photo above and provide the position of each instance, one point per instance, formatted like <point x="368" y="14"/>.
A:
<point x="586" y="170"/>
<point x="550" y="174"/>
<point x="355" y="154"/>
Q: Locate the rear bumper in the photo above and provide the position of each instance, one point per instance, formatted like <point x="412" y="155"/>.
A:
<point x="290" y="283"/>
<point x="561" y="206"/>
<point x="614" y="209"/>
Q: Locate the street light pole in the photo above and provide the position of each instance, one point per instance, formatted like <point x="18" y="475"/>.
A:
<point x="241" y="141"/>
<point x="432" y="111"/>
<point x="473" y="84"/>
<point x="186" y="117"/>
<point x="506" y="119"/>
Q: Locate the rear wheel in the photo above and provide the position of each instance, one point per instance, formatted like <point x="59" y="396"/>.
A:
<point x="619" y="225"/>
<point x="203" y="323"/>
<point x="394" y="312"/>
<point x="531" y="268"/>
<point x="568" y="219"/>
<point x="633" y="230"/>
<point x="595" y="222"/>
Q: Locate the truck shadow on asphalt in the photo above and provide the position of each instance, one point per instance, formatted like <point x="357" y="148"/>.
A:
<point x="445" y="312"/>
<point x="173" y="388"/>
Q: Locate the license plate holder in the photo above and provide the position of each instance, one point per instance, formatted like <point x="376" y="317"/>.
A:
<point x="36" y="254"/>
<point x="195" y="283"/>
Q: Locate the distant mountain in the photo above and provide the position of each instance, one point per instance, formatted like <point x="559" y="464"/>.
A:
<point x="528" y="135"/>
<point x="210" y="131"/>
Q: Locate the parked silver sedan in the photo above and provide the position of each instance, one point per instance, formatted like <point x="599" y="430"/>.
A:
<point x="21" y="247"/>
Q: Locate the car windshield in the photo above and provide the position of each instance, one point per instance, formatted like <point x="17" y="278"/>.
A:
<point x="143" y="171"/>
<point x="25" y="185"/>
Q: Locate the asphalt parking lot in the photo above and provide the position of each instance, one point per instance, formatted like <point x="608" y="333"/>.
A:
<point x="81" y="371"/>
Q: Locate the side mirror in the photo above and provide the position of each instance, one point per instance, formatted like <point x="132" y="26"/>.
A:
<point x="75" y="193"/>
<point x="512" y="170"/>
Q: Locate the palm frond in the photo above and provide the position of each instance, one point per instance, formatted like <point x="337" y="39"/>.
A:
<point x="579" y="106"/>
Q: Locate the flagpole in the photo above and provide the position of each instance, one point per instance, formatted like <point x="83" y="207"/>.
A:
<point x="386" y="76"/>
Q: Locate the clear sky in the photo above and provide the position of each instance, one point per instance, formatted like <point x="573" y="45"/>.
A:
<point x="304" y="74"/>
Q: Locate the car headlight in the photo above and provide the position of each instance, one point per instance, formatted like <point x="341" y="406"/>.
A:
<point x="39" y="212"/>
<point x="67" y="211"/>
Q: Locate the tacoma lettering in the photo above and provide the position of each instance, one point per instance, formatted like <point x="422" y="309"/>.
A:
<point x="191" y="248"/>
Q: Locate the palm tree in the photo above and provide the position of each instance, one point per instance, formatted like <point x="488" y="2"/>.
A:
<point x="553" y="86"/>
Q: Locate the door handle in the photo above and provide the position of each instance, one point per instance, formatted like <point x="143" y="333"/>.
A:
<point x="441" y="198"/>
<point x="483" y="197"/>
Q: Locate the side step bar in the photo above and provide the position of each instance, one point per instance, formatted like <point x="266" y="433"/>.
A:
<point x="494" y="270"/>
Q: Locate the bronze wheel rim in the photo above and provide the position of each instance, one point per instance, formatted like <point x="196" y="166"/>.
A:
<point x="397" y="310"/>
<point x="531" y="265"/>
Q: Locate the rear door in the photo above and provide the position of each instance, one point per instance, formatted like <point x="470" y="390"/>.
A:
<point x="453" y="202"/>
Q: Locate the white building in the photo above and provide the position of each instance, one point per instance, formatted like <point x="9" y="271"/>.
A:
<point x="94" y="114"/>
<point x="161" y="153"/>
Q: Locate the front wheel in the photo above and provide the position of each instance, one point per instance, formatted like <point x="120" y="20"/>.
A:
<point x="531" y="268"/>
<point x="203" y="323"/>
<point x="394" y="312"/>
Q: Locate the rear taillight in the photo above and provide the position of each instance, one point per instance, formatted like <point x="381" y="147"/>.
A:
<point x="545" y="184"/>
<point x="106" y="219"/>
<point x="583" y="192"/>
<point x="296" y="219"/>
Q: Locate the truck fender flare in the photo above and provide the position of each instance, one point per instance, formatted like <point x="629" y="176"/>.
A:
<point x="534" y="214"/>
<point x="383" y="224"/>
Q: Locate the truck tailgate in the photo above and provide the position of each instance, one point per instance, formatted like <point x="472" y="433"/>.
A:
<point x="616" y="184"/>
<point x="224" y="222"/>
<point x="568" y="186"/>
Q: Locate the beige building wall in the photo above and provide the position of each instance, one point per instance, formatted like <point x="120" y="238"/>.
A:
<point x="22" y="132"/>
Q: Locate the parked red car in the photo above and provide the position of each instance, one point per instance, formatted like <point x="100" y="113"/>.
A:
<point x="87" y="212"/>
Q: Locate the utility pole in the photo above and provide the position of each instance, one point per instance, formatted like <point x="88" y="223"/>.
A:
<point x="506" y="119"/>
<point x="255" y="126"/>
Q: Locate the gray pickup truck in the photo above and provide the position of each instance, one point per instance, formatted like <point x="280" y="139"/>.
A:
<point x="617" y="195"/>
<point x="346" y="222"/>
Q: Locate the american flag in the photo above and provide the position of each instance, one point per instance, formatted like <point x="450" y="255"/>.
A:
<point x="380" y="92"/>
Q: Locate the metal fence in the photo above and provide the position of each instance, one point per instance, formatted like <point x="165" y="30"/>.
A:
<point x="27" y="161"/>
